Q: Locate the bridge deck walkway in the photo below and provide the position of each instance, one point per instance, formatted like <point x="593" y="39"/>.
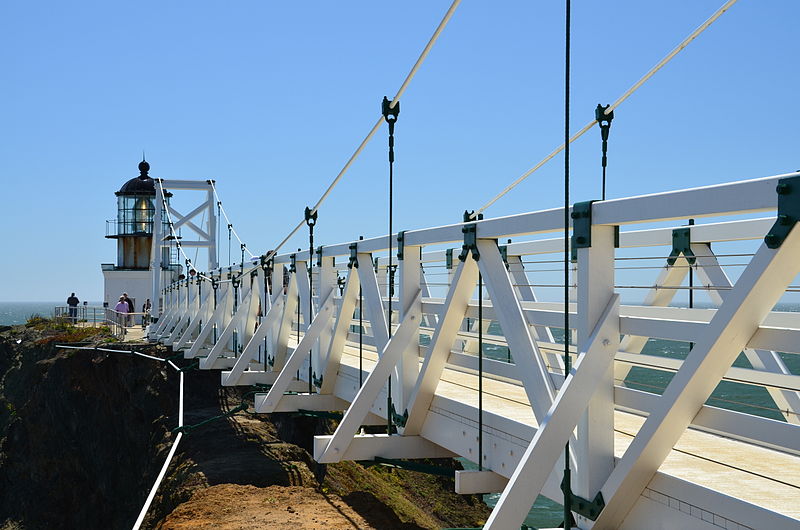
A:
<point x="754" y="474"/>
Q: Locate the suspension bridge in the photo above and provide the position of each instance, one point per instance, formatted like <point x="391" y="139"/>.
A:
<point x="439" y="335"/>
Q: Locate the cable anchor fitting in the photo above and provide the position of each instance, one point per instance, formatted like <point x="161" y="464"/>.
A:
<point x="311" y="218"/>
<point x="470" y="232"/>
<point x="390" y="114"/>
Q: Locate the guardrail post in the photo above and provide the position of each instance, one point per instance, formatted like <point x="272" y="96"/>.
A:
<point x="594" y="450"/>
<point x="409" y="269"/>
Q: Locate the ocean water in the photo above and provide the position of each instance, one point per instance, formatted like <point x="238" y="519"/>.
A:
<point x="12" y="313"/>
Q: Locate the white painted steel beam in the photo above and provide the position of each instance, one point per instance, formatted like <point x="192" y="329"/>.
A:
<point x="273" y="398"/>
<point x="461" y="288"/>
<point x="548" y="443"/>
<point x="759" y="287"/>
<point x="361" y="405"/>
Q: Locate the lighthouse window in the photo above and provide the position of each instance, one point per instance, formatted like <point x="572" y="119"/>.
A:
<point x="135" y="215"/>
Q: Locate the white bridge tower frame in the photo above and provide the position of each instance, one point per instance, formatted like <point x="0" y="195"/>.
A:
<point x="204" y="239"/>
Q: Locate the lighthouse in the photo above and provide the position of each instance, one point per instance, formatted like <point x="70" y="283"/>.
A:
<point x="133" y="230"/>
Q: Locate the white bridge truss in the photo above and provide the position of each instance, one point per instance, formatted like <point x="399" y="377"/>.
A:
<point x="204" y="238"/>
<point x="659" y="461"/>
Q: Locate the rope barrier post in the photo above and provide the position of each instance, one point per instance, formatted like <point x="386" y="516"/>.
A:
<point x="390" y="111"/>
<point x="603" y="117"/>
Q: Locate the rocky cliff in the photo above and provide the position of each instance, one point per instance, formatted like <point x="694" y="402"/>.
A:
<point x="83" y="434"/>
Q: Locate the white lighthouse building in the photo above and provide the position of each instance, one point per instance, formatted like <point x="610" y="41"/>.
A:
<point x="133" y="229"/>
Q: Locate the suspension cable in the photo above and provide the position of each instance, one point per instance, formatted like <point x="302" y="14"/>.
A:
<point x="566" y="483"/>
<point x="311" y="220"/>
<point x="390" y="111"/>
<point x="377" y="125"/>
<point x="614" y="105"/>
<point x="227" y="219"/>
<point x="604" y="120"/>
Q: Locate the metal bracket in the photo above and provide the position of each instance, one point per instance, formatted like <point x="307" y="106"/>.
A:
<point x="401" y="239"/>
<point x="317" y="382"/>
<point x="293" y="263"/>
<point x="448" y="258"/>
<point x="589" y="509"/>
<point x="503" y="253"/>
<point x="582" y="224"/>
<point x="311" y="218"/>
<point x="376" y="265"/>
<point x="788" y="211"/>
<point x="353" y="256"/>
<point x="390" y="113"/>
<point x="681" y="244"/>
<point x="399" y="419"/>
<point x="319" y="256"/>
<point x="470" y="232"/>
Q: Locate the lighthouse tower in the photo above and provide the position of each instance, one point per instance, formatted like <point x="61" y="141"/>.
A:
<point x="133" y="229"/>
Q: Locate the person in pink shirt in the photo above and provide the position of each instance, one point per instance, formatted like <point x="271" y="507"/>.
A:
<point x="122" y="309"/>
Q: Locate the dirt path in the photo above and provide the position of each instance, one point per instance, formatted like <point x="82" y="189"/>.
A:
<point x="231" y="506"/>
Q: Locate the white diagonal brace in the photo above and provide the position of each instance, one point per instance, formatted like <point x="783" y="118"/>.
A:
<point x="222" y="342"/>
<point x="223" y="306"/>
<point x="295" y="360"/>
<point x="284" y="327"/>
<point x="340" y="330"/>
<point x="759" y="287"/>
<point x="366" y="396"/>
<point x="251" y="349"/>
<point x="195" y="322"/>
<point x="660" y="295"/>
<point x="712" y="275"/>
<point x="373" y="302"/>
<point x="531" y="368"/>
<point x="453" y="311"/>
<point x="188" y="217"/>
<point x="548" y="443"/>
<point x="202" y="233"/>
<point x="526" y="294"/>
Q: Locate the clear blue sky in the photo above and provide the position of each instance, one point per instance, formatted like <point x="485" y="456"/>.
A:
<point x="271" y="98"/>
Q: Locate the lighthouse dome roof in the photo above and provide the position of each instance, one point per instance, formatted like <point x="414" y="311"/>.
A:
<point x="141" y="185"/>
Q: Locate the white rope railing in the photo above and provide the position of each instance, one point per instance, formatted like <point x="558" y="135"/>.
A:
<point x="377" y="125"/>
<point x="173" y="449"/>
<point x="614" y="105"/>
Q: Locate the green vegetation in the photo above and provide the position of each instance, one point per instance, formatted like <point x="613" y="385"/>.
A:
<point x="61" y="331"/>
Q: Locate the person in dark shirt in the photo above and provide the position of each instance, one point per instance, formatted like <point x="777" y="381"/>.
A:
<point x="73" y="302"/>
<point x="131" y="309"/>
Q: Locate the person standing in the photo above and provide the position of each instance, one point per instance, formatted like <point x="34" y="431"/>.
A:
<point x="131" y="308"/>
<point x="72" y="303"/>
<point x="146" y="313"/>
<point x="122" y="310"/>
